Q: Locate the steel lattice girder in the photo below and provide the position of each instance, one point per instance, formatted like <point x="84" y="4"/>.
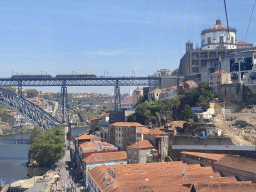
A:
<point x="125" y="81"/>
<point x="31" y="112"/>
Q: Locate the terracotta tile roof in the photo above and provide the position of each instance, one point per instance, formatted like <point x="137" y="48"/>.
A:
<point x="96" y="118"/>
<point x="106" y="144"/>
<point x="220" y="26"/>
<point x="227" y="187"/>
<point x="239" y="163"/>
<point x="156" y="131"/>
<point x="127" y="124"/>
<point x="191" y="84"/>
<point x="205" y="155"/>
<point x="176" y="124"/>
<point x="89" y="145"/>
<point x="156" y="90"/>
<point x="158" y="176"/>
<point x="144" y="131"/>
<point x="126" y="103"/>
<point x="242" y="43"/>
<point x="108" y="156"/>
<point x="141" y="145"/>
<point x="86" y="137"/>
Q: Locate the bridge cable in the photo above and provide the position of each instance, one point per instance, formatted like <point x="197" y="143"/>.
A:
<point x="250" y="20"/>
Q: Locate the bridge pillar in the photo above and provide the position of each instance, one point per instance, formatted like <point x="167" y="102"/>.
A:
<point x="64" y="103"/>
<point x="117" y="96"/>
<point x="19" y="88"/>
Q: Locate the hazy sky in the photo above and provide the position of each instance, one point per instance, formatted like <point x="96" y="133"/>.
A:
<point x="118" y="37"/>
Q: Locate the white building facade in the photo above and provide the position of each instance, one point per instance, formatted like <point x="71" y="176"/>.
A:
<point x="218" y="36"/>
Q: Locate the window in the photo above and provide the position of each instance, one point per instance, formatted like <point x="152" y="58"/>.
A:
<point x="221" y="39"/>
<point x="208" y="40"/>
<point x="129" y="151"/>
<point x="135" y="152"/>
<point x="232" y="40"/>
<point x="211" y="77"/>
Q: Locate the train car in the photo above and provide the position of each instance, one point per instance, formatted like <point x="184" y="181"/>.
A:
<point x="31" y="77"/>
<point x="76" y="76"/>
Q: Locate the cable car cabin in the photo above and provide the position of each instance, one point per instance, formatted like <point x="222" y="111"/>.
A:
<point x="234" y="76"/>
<point x="31" y="77"/>
<point x="75" y="76"/>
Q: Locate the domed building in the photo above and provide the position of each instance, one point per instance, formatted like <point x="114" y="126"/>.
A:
<point x="218" y="36"/>
<point x="218" y="44"/>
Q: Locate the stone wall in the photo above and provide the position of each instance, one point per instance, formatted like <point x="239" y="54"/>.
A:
<point x="169" y="81"/>
<point x="230" y="92"/>
<point x="206" y="141"/>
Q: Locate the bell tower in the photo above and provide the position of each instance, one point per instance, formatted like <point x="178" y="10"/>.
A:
<point x="189" y="46"/>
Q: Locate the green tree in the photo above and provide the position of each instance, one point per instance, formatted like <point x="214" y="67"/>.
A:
<point x="131" y="117"/>
<point x="49" y="147"/>
<point x="11" y="89"/>
<point x="36" y="131"/>
<point x="125" y="94"/>
<point x="32" y="93"/>
<point x="167" y="158"/>
<point x="186" y="113"/>
<point x="46" y="96"/>
<point x="96" y="128"/>
<point x="175" y="72"/>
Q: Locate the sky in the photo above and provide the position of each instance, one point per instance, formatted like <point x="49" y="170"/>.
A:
<point x="114" y="37"/>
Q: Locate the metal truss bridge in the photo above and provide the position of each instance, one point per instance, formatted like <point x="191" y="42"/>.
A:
<point x="116" y="82"/>
<point x="31" y="112"/>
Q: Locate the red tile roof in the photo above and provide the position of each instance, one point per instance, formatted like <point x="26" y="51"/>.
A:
<point x="227" y="187"/>
<point x="242" y="43"/>
<point x="144" y="131"/>
<point x="108" y="156"/>
<point x="86" y="137"/>
<point x="127" y="124"/>
<point x="141" y="145"/>
<point x="211" y="156"/>
<point x="159" y="176"/>
<point x="89" y="145"/>
<point x="176" y="124"/>
<point x="156" y="90"/>
<point x="106" y="144"/>
<point x="220" y="26"/>
<point x="156" y="131"/>
<point x="191" y="84"/>
<point x="237" y="162"/>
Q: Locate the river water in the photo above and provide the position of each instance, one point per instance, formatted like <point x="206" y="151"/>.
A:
<point x="13" y="158"/>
